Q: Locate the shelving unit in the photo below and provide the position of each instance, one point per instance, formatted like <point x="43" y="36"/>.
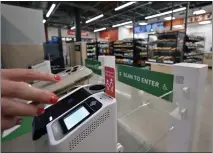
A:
<point x="194" y="50"/>
<point x="103" y="48"/>
<point x="92" y="50"/>
<point x="111" y="47"/>
<point x="165" y="47"/>
<point x="140" y="50"/>
<point x="130" y="52"/>
<point x="123" y="52"/>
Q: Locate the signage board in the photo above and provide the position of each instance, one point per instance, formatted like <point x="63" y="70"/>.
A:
<point x="155" y="83"/>
<point x="72" y="32"/>
<point x="110" y="81"/>
<point x="199" y="18"/>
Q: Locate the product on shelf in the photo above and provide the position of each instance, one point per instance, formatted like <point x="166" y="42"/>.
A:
<point x="104" y="48"/>
<point x="166" y="47"/>
<point x="130" y="51"/>
<point x="91" y="51"/>
<point x="193" y="51"/>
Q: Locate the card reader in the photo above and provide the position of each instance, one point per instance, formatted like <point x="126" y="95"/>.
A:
<point x="71" y="99"/>
<point x="81" y="122"/>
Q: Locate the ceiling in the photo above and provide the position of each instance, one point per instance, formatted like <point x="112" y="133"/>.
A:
<point x="64" y="12"/>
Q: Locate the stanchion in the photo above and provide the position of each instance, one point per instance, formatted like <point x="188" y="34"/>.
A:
<point x="189" y="82"/>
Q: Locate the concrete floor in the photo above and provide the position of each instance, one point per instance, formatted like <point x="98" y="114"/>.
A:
<point x="143" y="121"/>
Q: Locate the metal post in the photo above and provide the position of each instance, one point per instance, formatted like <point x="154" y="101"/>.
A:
<point x="186" y="17"/>
<point x="133" y="27"/>
<point x="46" y="32"/>
<point x="185" y="27"/>
<point x="172" y="16"/>
<point x="77" y="25"/>
<point x="134" y="44"/>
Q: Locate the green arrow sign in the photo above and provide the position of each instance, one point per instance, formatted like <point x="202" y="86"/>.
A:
<point x="155" y="83"/>
<point x="93" y="65"/>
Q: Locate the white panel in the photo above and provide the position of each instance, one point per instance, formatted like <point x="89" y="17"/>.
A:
<point x="205" y="30"/>
<point x="52" y="32"/>
<point x="124" y="33"/>
<point x="21" y="25"/>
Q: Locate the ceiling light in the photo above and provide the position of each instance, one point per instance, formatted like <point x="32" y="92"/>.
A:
<point x="95" y="18"/>
<point x="96" y="30"/>
<point x="169" y="18"/>
<point x="165" y="13"/>
<point x="142" y="23"/>
<point x="72" y="28"/>
<point x="121" y="24"/>
<point x="44" y="21"/>
<point x="128" y="26"/>
<point x="204" y="22"/>
<point x="198" y="12"/>
<point x="178" y="26"/>
<point x="179" y="9"/>
<point x="50" y="10"/>
<point x="123" y="6"/>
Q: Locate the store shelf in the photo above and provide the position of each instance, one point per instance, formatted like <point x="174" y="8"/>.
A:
<point x="123" y="46"/>
<point x="91" y="49"/>
<point x="128" y="57"/>
<point x="124" y="51"/>
<point x="124" y="63"/>
<point x="168" y="46"/>
<point x="188" y="55"/>
<point x="150" y="61"/>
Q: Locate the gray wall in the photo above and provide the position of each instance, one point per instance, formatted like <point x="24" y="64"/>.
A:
<point x="21" y="25"/>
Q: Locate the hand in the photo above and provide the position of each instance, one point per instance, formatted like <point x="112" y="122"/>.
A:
<point x="13" y="85"/>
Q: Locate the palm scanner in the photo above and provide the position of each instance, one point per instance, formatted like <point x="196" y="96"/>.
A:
<point x="84" y="120"/>
<point x="70" y="77"/>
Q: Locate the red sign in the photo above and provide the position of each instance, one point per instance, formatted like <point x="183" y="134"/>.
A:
<point x="72" y="32"/>
<point x="111" y="34"/>
<point x="110" y="81"/>
<point x="199" y="18"/>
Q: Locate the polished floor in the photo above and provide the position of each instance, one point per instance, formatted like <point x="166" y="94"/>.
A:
<point x="143" y="121"/>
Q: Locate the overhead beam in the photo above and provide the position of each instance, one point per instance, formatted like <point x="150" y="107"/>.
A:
<point x="151" y="9"/>
<point x="82" y="6"/>
<point x="112" y="16"/>
<point x="92" y="6"/>
<point x="117" y="14"/>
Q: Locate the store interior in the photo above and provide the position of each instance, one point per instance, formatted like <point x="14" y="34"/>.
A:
<point x="145" y="38"/>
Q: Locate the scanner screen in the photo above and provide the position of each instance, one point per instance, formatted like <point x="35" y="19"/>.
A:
<point x="73" y="119"/>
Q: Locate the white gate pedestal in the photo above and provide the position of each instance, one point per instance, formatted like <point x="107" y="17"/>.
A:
<point x="189" y="85"/>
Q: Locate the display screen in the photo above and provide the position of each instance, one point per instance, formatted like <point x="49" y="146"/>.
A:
<point x="158" y="26"/>
<point x="148" y="27"/>
<point x="73" y="119"/>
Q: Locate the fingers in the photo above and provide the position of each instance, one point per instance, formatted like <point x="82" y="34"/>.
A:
<point x="22" y="90"/>
<point x="8" y="122"/>
<point x="11" y="107"/>
<point x="28" y="75"/>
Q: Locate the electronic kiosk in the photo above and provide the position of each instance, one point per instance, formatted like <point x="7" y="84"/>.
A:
<point x="84" y="120"/>
<point x="70" y="77"/>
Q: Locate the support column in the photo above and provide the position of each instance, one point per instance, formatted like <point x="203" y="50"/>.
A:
<point x="172" y="16"/>
<point x="185" y="27"/>
<point x="59" y="32"/>
<point x="77" y="25"/>
<point x="46" y="32"/>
